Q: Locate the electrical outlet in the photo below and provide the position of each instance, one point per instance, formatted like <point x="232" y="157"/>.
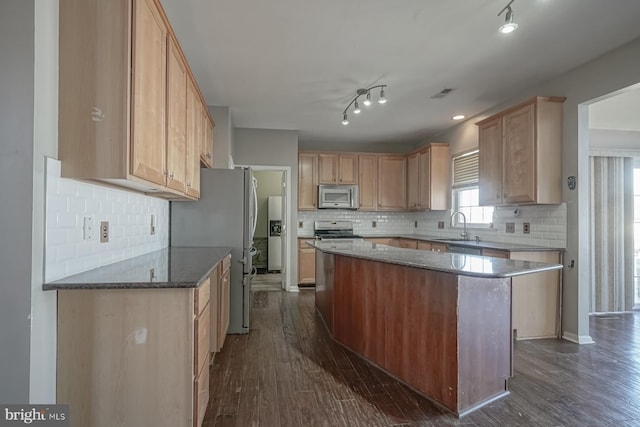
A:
<point x="440" y="225"/>
<point x="526" y="228"/>
<point x="415" y="224"/>
<point x="374" y="224"/>
<point x="152" y="230"/>
<point x="511" y="227"/>
<point x="104" y="231"/>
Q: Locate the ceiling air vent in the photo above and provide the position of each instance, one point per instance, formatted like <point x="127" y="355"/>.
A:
<point x="442" y="94"/>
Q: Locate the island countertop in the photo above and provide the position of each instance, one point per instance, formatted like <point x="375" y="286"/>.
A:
<point x="172" y="267"/>
<point x="462" y="264"/>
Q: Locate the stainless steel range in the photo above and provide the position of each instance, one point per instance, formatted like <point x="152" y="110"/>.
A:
<point x="327" y="230"/>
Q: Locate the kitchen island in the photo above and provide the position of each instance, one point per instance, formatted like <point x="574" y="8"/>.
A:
<point x="440" y="322"/>
<point x="134" y="338"/>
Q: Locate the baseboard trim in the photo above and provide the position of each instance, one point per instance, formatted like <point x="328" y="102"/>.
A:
<point x="578" y="339"/>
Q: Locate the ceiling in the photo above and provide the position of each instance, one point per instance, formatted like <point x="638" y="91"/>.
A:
<point x="296" y="64"/>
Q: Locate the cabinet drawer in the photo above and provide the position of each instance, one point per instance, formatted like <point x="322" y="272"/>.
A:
<point x="202" y="330"/>
<point x="203" y="294"/>
<point x="226" y="263"/>
<point x="201" y="395"/>
<point x="495" y="253"/>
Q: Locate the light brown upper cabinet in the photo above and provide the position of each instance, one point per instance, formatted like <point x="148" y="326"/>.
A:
<point x="194" y="140"/>
<point x="206" y="152"/>
<point x="149" y="97"/>
<point x="176" y="118"/>
<point x="368" y="181"/>
<point x="520" y="154"/>
<point x="392" y="182"/>
<point x="123" y="97"/>
<point x="337" y="168"/>
<point x="428" y="178"/>
<point x="307" y="181"/>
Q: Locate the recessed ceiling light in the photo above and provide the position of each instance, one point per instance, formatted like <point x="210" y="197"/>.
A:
<point x="458" y="117"/>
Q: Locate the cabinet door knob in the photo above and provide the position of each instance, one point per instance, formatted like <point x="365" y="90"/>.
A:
<point x="189" y="184"/>
<point x="208" y="155"/>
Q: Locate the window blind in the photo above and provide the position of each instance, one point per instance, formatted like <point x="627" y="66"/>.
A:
<point x="465" y="169"/>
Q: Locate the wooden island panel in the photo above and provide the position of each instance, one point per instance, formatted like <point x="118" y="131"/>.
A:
<point x="447" y="336"/>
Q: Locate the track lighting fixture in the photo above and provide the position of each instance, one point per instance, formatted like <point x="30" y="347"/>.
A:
<point x="367" y="101"/>
<point x="509" y="25"/>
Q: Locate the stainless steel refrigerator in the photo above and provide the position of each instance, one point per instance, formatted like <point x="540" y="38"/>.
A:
<point x="225" y="215"/>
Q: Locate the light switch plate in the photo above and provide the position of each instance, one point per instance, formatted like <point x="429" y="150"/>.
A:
<point x="440" y="225"/>
<point x="511" y="227"/>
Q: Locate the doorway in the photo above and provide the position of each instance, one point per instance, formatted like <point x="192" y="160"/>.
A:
<point x="273" y="253"/>
<point x="614" y="158"/>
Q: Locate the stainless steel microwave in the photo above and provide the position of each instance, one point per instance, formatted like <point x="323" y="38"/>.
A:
<point x="338" y="197"/>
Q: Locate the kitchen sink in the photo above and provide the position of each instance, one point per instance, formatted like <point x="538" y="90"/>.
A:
<point x="453" y="240"/>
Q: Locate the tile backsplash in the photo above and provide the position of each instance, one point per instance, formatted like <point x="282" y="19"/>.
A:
<point x="69" y="202"/>
<point x="548" y="224"/>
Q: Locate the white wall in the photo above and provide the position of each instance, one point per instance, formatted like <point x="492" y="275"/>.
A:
<point x="617" y="139"/>
<point x="16" y="189"/>
<point x="265" y="147"/>
<point x="222" y="137"/>
<point x="42" y="387"/>
<point x="609" y="73"/>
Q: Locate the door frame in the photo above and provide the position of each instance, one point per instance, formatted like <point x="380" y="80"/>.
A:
<point x="287" y="283"/>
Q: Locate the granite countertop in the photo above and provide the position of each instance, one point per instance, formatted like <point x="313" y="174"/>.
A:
<point x="511" y="247"/>
<point x="173" y="267"/>
<point x="463" y="264"/>
<point x="482" y="244"/>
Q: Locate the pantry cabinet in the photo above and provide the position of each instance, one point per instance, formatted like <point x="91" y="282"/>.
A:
<point x="520" y="153"/>
<point x="123" y="98"/>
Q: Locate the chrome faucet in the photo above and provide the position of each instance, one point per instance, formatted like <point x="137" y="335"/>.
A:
<point x="464" y="233"/>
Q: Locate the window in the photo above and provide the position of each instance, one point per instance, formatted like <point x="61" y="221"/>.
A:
<point x="465" y="192"/>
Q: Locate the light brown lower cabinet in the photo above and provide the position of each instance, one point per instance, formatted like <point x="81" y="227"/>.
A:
<point x="223" y="301"/>
<point x="535" y="296"/>
<point x="306" y="263"/>
<point x="134" y="357"/>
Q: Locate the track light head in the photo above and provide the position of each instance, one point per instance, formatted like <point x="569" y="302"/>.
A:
<point x="356" y="108"/>
<point x="367" y="100"/>
<point x="345" y="120"/>
<point x="509" y="26"/>
<point x="382" y="99"/>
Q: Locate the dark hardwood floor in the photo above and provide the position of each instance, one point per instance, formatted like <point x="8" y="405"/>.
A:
<point x="288" y="372"/>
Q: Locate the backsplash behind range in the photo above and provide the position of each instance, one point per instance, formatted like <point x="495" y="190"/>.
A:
<point x="548" y="224"/>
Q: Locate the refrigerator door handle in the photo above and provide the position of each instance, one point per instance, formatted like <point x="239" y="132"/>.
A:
<point x="255" y="207"/>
